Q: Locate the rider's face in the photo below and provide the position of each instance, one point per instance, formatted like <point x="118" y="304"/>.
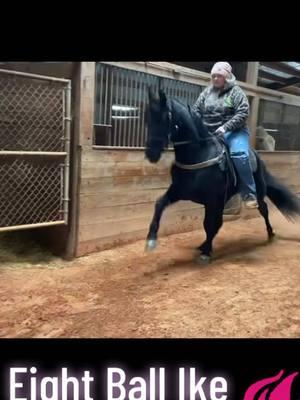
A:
<point x="218" y="81"/>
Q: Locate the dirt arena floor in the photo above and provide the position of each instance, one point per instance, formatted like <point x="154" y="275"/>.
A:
<point x="251" y="289"/>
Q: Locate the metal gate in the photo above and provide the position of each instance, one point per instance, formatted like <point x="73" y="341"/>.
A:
<point x="121" y="100"/>
<point x="34" y="150"/>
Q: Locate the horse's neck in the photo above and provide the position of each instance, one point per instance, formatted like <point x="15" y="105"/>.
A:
<point x="200" y="146"/>
<point x="186" y="118"/>
<point x="202" y="131"/>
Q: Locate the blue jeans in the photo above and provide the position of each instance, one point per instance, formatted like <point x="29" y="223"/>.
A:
<point x="238" y="143"/>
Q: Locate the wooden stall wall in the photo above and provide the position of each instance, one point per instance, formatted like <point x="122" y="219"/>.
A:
<point x="285" y="166"/>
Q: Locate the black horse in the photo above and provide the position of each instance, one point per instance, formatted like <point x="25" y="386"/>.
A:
<point x="202" y="171"/>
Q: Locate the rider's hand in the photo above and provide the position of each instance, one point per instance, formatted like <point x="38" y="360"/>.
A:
<point x="220" y="131"/>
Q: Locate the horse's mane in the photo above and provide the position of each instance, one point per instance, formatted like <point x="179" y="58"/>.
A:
<point x="192" y="119"/>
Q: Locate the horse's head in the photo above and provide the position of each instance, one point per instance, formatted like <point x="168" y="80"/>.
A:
<point x="158" y="126"/>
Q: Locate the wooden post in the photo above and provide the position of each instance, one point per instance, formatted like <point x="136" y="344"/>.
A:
<point x="252" y="73"/>
<point x="87" y="99"/>
<point x="253" y="120"/>
<point x="83" y="124"/>
<point x="252" y="76"/>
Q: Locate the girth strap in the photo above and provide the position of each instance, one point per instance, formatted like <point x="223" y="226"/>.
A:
<point x="203" y="164"/>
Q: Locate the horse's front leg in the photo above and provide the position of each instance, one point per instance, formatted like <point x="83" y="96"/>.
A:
<point x="161" y="204"/>
<point x="213" y="221"/>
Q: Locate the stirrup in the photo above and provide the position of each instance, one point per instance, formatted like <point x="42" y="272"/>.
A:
<point x="251" y="203"/>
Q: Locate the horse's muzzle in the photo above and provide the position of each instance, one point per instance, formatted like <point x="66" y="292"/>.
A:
<point x="153" y="155"/>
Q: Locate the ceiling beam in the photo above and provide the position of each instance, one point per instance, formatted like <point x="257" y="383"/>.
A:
<point x="270" y="76"/>
<point x="288" y="82"/>
<point x="281" y="67"/>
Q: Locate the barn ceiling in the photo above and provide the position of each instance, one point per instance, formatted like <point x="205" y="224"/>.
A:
<point x="280" y="75"/>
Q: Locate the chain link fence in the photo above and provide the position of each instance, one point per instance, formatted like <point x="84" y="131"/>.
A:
<point x="34" y="150"/>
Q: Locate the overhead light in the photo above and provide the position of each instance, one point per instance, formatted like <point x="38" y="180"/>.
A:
<point x="123" y="117"/>
<point x="124" y="108"/>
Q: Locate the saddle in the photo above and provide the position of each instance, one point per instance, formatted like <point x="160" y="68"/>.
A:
<point x="226" y="163"/>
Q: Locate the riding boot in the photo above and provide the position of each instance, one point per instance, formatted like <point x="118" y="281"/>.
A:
<point x="246" y="181"/>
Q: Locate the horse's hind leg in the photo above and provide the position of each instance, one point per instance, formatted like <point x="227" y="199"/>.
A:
<point x="262" y="205"/>
<point x="213" y="221"/>
<point x="263" y="209"/>
<point x="167" y="199"/>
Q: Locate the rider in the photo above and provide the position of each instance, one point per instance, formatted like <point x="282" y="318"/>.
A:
<point x="224" y="108"/>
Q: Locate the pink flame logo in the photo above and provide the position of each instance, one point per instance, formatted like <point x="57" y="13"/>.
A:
<point x="281" y="392"/>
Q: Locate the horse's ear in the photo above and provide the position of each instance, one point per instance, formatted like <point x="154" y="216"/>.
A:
<point x="151" y="93"/>
<point x="162" y="98"/>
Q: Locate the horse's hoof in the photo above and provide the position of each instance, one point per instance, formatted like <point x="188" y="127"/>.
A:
<point x="151" y="245"/>
<point x="271" y="238"/>
<point x="203" y="259"/>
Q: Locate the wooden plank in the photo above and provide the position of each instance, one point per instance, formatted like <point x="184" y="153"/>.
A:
<point x="120" y="154"/>
<point x="103" y="155"/>
<point x="92" y="170"/>
<point x="285" y="177"/>
<point x="292" y="90"/>
<point x="289" y="178"/>
<point x="100" y="244"/>
<point x="115" y="213"/>
<point x="284" y="166"/>
<point x="105" y="229"/>
<point x="292" y="180"/>
<point x="119" y="199"/>
<point x="124" y="183"/>
<point x="288" y="157"/>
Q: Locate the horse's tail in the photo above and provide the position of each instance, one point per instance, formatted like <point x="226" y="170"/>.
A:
<point x="283" y="198"/>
